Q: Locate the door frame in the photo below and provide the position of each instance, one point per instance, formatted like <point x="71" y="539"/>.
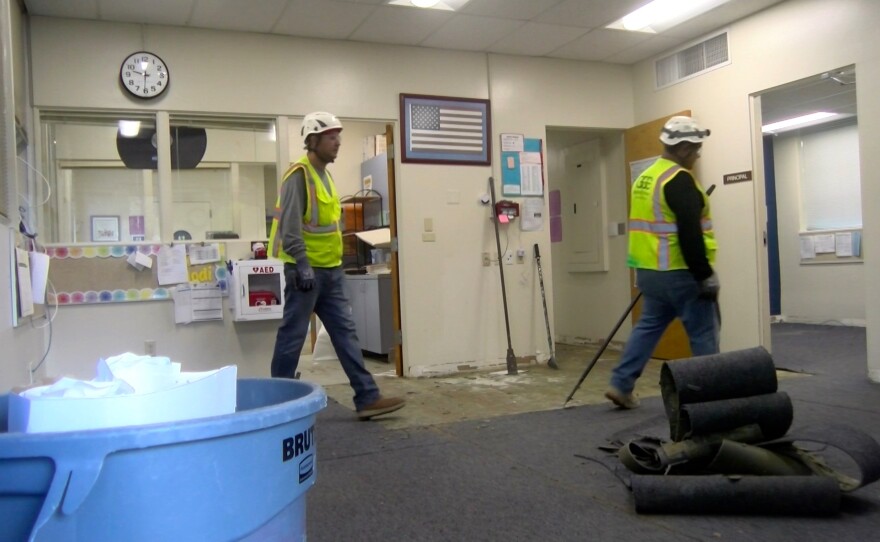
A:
<point x="396" y="350"/>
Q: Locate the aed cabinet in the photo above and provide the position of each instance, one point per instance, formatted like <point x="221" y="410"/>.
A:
<point x="370" y="297"/>
<point x="256" y="290"/>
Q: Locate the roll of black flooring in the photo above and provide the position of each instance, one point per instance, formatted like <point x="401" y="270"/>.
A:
<point x="740" y="373"/>
<point x="756" y="495"/>
<point x="772" y="412"/>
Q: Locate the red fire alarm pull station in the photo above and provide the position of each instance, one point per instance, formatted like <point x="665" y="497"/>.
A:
<point x="506" y="209"/>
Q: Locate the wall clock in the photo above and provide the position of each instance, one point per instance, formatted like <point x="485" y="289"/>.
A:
<point x="144" y="75"/>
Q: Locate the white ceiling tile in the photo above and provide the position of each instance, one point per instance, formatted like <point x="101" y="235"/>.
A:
<point x="599" y="44"/>
<point x="169" y="12"/>
<point x="253" y="16"/>
<point x="331" y="19"/>
<point x="76" y="9"/>
<point x="523" y="10"/>
<point x="536" y="39"/>
<point x="400" y="25"/>
<point x="588" y="13"/>
<point x="481" y="25"/>
<point x="470" y="33"/>
<point x="721" y="16"/>
<point x="652" y="46"/>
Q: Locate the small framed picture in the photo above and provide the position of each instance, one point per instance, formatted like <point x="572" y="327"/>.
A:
<point x="105" y="229"/>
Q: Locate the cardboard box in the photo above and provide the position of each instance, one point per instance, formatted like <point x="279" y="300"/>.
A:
<point x="196" y="395"/>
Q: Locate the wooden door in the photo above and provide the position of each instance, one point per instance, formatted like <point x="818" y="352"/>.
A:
<point x="641" y="143"/>
<point x="396" y="352"/>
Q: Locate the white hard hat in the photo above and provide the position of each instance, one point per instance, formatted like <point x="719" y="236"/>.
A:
<point x="318" y="123"/>
<point x="678" y="129"/>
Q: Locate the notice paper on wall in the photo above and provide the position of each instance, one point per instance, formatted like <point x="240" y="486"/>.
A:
<point x="172" y="265"/>
<point x="199" y="254"/>
<point x="23" y="282"/>
<point x="197" y="303"/>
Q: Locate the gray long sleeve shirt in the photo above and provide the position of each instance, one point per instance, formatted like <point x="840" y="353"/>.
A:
<point x="293" y="198"/>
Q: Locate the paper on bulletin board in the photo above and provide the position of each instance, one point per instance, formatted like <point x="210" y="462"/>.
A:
<point x="172" y="265"/>
<point x="522" y="172"/>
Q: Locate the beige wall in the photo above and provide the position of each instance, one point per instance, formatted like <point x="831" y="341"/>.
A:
<point x="23" y="346"/>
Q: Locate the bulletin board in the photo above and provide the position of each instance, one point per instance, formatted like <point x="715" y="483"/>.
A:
<point x="522" y="168"/>
<point x="101" y="274"/>
<point x="831" y="246"/>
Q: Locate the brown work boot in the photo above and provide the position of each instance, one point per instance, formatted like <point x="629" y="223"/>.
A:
<point x="623" y="400"/>
<point x="382" y="405"/>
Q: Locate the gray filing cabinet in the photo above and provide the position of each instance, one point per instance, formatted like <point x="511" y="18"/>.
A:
<point x="370" y="297"/>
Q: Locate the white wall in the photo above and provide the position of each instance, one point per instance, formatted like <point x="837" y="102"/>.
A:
<point x="23" y="346"/>
<point x="786" y="42"/>
<point x="810" y="293"/>
<point x="357" y="82"/>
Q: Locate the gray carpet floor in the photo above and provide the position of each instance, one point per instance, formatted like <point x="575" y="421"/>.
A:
<point x="542" y="476"/>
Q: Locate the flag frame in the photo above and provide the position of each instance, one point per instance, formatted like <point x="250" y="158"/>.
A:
<point x="478" y="157"/>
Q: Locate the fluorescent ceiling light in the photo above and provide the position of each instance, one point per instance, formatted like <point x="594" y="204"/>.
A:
<point x="796" y="122"/>
<point x="661" y="15"/>
<point x="129" y="128"/>
<point x="444" y="5"/>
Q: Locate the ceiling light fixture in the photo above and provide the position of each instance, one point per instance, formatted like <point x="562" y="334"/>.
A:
<point x="661" y="15"/>
<point x="443" y="5"/>
<point x="803" y="120"/>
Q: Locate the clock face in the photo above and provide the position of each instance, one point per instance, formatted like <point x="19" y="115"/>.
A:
<point x="144" y="75"/>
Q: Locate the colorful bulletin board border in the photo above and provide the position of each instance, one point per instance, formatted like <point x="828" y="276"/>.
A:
<point x="101" y="274"/>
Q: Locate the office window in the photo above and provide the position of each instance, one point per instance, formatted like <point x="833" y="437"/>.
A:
<point x="106" y="165"/>
<point x="831" y="194"/>
<point x="86" y="177"/>
<point x="223" y="170"/>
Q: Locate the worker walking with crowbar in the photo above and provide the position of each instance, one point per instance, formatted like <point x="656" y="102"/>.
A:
<point x="672" y="248"/>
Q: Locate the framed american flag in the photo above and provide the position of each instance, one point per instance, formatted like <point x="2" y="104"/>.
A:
<point x="445" y="130"/>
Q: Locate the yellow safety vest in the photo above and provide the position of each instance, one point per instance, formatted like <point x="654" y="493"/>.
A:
<point x="653" y="233"/>
<point x="321" y="228"/>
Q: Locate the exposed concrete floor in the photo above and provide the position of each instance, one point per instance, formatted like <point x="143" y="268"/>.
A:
<point x="488" y="394"/>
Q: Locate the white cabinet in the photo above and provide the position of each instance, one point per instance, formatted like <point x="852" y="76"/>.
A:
<point x="370" y="297"/>
<point x="256" y="290"/>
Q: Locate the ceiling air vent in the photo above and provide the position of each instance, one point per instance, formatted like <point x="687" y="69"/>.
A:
<point x="692" y="61"/>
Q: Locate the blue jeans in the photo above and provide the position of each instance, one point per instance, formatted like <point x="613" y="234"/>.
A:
<point x="329" y="301"/>
<point x="665" y="296"/>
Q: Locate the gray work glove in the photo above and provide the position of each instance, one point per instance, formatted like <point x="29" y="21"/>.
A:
<point x="305" y="276"/>
<point x="709" y="288"/>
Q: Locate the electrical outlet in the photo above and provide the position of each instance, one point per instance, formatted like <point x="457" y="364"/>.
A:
<point x="150" y="348"/>
<point x="508" y="258"/>
<point x="486" y="260"/>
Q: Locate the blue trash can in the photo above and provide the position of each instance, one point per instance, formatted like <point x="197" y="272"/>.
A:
<point x="243" y="476"/>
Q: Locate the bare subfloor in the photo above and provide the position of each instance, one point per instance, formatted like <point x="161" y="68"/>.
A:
<point x="488" y="394"/>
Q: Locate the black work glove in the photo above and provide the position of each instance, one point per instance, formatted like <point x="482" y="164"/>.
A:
<point x="709" y="288"/>
<point x="304" y="276"/>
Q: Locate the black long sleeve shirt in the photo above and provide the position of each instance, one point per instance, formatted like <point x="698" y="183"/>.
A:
<point x="686" y="201"/>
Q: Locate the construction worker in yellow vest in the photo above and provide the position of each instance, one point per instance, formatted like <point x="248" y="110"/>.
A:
<point x="672" y="249"/>
<point x="306" y="235"/>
